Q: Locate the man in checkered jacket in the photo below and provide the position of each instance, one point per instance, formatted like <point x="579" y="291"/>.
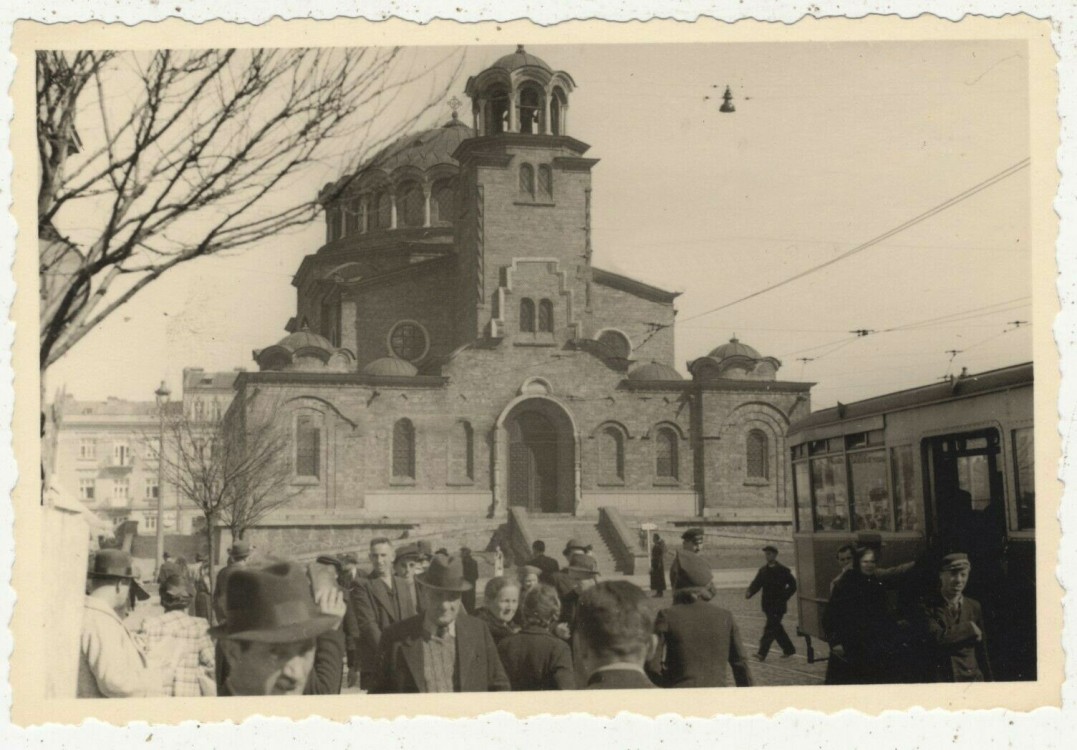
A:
<point x="177" y="630"/>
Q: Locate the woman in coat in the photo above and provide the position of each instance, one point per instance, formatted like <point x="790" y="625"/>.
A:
<point x="499" y="602"/>
<point x="658" y="567"/>
<point x="534" y="658"/>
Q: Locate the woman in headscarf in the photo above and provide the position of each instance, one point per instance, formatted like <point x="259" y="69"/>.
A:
<point x="534" y="658"/>
<point x="500" y="599"/>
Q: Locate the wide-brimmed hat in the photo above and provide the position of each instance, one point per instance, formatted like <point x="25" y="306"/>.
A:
<point x="240" y="549"/>
<point x="332" y="560"/>
<point x="694" y="571"/>
<point x="115" y="563"/>
<point x="583" y="564"/>
<point x="175" y="592"/>
<point x="693" y="535"/>
<point x="405" y="552"/>
<point x="272" y="604"/>
<point x="955" y="561"/>
<point x="575" y="543"/>
<point x="445" y="574"/>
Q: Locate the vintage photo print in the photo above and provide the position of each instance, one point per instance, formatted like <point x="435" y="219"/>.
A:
<point x="512" y="364"/>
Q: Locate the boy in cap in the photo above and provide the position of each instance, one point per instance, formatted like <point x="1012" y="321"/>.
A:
<point x="691" y="541"/>
<point x="441" y="649"/>
<point x="176" y="629"/>
<point x="778" y="585"/>
<point x="955" y="626"/>
<point x="111" y="664"/>
<point x="698" y="642"/>
<point x="615" y="636"/>
<point x="278" y="638"/>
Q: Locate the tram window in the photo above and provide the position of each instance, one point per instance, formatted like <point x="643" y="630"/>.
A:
<point x="802" y="488"/>
<point x="829" y="490"/>
<point x="973" y="477"/>
<point x="816" y="447"/>
<point x="871" y="498"/>
<point x="859" y="440"/>
<point x="1024" y="455"/>
<point x="907" y="500"/>
<point x="876" y="437"/>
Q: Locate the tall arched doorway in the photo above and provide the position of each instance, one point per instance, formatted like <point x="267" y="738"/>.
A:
<point x="540" y="458"/>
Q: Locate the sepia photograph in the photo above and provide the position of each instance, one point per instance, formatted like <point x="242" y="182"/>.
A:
<point x="539" y="366"/>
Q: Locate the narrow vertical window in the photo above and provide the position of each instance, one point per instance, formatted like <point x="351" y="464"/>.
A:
<point x="527" y="315"/>
<point x="611" y="455"/>
<point x="545" y="316"/>
<point x="462" y="453"/>
<point x="757" y="451"/>
<point x="403" y="450"/>
<point x="527" y="180"/>
<point x="307" y="446"/>
<point x="666" y="454"/>
<point x="545" y="181"/>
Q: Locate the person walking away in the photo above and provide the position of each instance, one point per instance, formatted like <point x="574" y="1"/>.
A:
<point x="955" y="626"/>
<point x="778" y="585"/>
<point x="441" y="649"/>
<point x="534" y="658"/>
<point x="471" y="575"/>
<point x="168" y="568"/>
<point x="658" y="567"/>
<point x="547" y="565"/>
<point x="278" y="637"/>
<point x="698" y="642"/>
<point x="500" y="600"/>
<point x="616" y="638"/>
<point x="111" y="664"/>
<point x="691" y="541"/>
<point x="194" y="673"/>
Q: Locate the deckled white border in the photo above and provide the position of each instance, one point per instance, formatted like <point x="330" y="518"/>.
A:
<point x="1046" y="728"/>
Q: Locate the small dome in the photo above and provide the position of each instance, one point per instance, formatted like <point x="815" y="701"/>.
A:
<point x="390" y="367"/>
<point x="305" y="339"/>
<point x="423" y="150"/>
<point x="654" y="371"/>
<point x="521" y="59"/>
<point x="734" y="349"/>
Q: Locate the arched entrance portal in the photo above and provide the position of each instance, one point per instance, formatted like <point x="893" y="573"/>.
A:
<point x="541" y="457"/>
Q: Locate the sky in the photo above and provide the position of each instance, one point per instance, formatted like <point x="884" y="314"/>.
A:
<point x="831" y="145"/>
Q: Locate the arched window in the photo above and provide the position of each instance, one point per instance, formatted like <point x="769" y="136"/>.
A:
<point x="352" y="217"/>
<point x="556" y="110"/>
<point x="462" y="453"/>
<point x="442" y="202"/>
<point x="611" y="455"/>
<point x="307" y="446"/>
<point x="403" y="449"/>
<point x="381" y="212"/>
<point x="497" y="110"/>
<point x="665" y="450"/>
<point x="527" y="180"/>
<point x="545" y="316"/>
<point x="757" y="455"/>
<point x="410" y="205"/>
<point x="527" y="315"/>
<point x="530" y="109"/>
<point x="545" y="181"/>
<point x="332" y="223"/>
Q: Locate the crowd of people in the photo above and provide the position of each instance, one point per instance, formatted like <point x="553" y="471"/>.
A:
<point x="413" y="623"/>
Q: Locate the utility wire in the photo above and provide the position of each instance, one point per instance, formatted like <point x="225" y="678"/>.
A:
<point x="951" y="202"/>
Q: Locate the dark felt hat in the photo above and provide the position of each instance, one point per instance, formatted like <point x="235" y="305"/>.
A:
<point x="407" y="551"/>
<point x="240" y="549"/>
<point x="115" y="563"/>
<point x="445" y="574"/>
<point x="694" y="571"/>
<point x="583" y="564"/>
<point x="770" y="548"/>
<point x="332" y="560"/>
<point x="693" y="535"/>
<point x="575" y="543"/>
<point x="955" y="561"/>
<point x="272" y="604"/>
<point x="348" y="558"/>
<point x="426" y="550"/>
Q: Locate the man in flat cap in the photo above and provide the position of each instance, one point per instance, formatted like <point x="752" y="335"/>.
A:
<point x="778" y="585"/>
<point x="955" y="626"/>
<point x="698" y="642"/>
<point x="111" y="663"/>
<point x="691" y="541"/>
<point x="194" y="673"/>
<point x="383" y="597"/>
<point x="279" y="637"/>
<point x="441" y="649"/>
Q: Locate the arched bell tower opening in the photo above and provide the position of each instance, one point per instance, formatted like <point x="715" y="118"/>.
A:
<point x="520" y="93"/>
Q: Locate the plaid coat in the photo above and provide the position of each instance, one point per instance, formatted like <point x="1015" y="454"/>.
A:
<point x="178" y="629"/>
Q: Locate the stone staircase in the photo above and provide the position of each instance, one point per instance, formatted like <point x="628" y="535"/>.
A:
<point x="556" y="530"/>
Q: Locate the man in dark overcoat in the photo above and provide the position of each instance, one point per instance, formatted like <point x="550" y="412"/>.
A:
<point x="955" y="626"/>
<point x="546" y="564"/>
<point x="382" y="598"/>
<point x="691" y="541"/>
<point x="778" y="585"/>
<point x="440" y="650"/>
<point x="698" y="642"/>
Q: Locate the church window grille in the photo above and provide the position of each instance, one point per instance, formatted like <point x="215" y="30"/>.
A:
<point x="666" y="454"/>
<point x="332" y="223"/>
<point x="307" y="446"/>
<point x="381" y="212"/>
<point x="443" y="200"/>
<point x="545" y="316"/>
<point x="616" y="344"/>
<point x="527" y="180"/>
<point x="352" y="217"/>
<point x="611" y="455"/>
<point x="545" y="181"/>
<point x="462" y="453"/>
<point x="757" y="450"/>
<point x="410" y="206"/>
<point x="527" y="315"/>
<point x="403" y="449"/>
<point x="408" y="341"/>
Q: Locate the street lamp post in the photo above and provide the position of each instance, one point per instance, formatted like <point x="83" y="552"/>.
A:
<point x="162" y="395"/>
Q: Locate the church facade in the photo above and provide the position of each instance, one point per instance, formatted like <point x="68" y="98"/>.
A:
<point x="456" y="351"/>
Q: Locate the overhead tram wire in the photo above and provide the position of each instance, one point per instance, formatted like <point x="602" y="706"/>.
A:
<point x="949" y="203"/>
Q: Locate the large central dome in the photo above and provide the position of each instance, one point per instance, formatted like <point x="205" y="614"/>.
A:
<point x="423" y="150"/>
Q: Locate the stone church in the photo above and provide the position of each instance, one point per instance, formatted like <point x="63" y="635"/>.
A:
<point x="457" y="348"/>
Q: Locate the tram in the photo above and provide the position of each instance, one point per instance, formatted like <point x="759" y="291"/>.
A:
<point x="897" y="472"/>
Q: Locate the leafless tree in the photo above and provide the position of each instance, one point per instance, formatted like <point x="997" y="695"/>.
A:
<point x="235" y="471"/>
<point x="152" y="159"/>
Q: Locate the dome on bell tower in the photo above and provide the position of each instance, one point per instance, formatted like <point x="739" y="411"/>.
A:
<point x="520" y="93"/>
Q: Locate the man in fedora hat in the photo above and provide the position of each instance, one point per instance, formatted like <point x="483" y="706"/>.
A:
<point x="382" y="597"/>
<point x="111" y="664"/>
<point x="955" y="626"/>
<point x="176" y="629"/>
<point x="278" y="638"/>
<point x="778" y="585"/>
<point x="691" y="541"/>
<point x="615" y="636"/>
<point x="698" y="642"/>
<point x="440" y="650"/>
<point x="562" y="580"/>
